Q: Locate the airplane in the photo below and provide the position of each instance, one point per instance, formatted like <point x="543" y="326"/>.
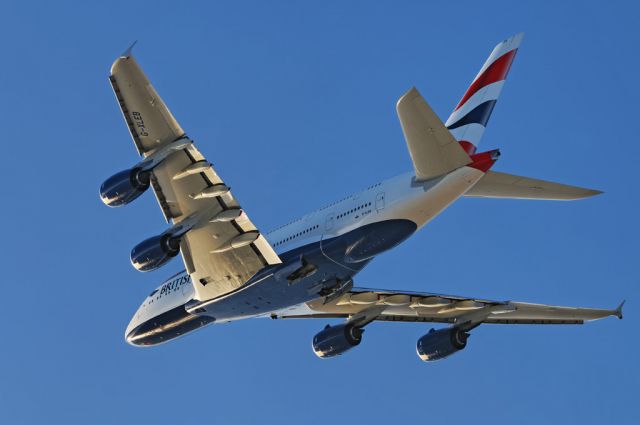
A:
<point x="306" y="269"/>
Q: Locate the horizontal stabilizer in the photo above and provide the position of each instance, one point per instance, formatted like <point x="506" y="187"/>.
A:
<point x="503" y="185"/>
<point x="433" y="149"/>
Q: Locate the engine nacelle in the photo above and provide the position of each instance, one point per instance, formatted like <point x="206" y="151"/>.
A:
<point x="335" y="340"/>
<point x="123" y="187"/>
<point x="441" y="343"/>
<point x="155" y="252"/>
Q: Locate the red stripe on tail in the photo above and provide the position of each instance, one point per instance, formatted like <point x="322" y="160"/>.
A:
<point x="484" y="161"/>
<point x="497" y="71"/>
<point x="468" y="147"/>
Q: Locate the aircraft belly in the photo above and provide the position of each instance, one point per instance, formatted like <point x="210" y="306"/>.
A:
<point x="331" y="265"/>
<point x="312" y="271"/>
<point x="336" y="260"/>
<point x="167" y="326"/>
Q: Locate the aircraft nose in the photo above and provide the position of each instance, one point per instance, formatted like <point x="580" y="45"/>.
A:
<point x="133" y="337"/>
<point x="130" y="333"/>
<point x="128" y="336"/>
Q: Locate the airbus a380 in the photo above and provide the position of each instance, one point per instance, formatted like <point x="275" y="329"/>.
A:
<point x="306" y="269"/>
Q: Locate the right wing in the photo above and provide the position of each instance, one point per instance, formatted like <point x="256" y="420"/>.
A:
<point x="405" y="306"/>
<point x="502" y="185"/>
<point x="223" y="249"/>
<point x="434" y="151"/>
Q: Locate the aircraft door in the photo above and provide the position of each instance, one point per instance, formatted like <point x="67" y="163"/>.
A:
<point x="328" y="225"/>
<point x="380" y="201"/>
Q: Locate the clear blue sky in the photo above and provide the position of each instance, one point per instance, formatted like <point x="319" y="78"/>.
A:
<point x="320" y="83"/>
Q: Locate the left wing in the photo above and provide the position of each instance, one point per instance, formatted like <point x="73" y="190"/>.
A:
<point x="222" y="249"/>
<point x="397" y="306"/>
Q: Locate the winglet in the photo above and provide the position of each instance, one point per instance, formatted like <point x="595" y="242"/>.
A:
<point x="618" y="311"/>
<point x="127" y="52"/>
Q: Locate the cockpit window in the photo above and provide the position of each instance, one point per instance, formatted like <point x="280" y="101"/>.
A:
<point x="153" y="293"/>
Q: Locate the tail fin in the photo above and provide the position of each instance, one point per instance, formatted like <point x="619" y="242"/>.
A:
<point x="469" y="119"/>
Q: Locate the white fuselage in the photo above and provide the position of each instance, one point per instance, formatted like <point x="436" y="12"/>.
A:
<point x="399" y="197"/>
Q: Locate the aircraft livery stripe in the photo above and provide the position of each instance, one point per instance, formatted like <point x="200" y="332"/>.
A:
<point x="502" y="48"/>
<point x="468" y="147"/>
<point x="471" y="133"/>
<point x="466" y="122"/>
<point x="497" y="71"/>
<point x="478" y="115"/>
<point x="490" y="92"/>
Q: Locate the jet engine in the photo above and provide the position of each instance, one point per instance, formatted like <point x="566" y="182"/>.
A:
<point x="124" y="187"/>
<point x="155" y="252"/>
<point x="335" y="340"/>
<point x="441" y="343"/>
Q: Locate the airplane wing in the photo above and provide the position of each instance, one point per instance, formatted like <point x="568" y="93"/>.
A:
<point x="224" y="248"/>
<point x="397" y="306"/>
<point x="502" y="185"/>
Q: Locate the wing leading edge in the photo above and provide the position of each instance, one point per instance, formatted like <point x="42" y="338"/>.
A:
<point x="222" y="249"/>
<point x="150" y="122"/>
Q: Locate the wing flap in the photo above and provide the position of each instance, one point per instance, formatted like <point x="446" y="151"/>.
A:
<point x="215" y="262"/>
<point x="502" y="185"/>
<point x="434" y="151"/>
<point x="438" y="308"/>
<point x="217" y="273"/>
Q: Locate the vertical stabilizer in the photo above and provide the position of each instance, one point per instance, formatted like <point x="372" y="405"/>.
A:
<point x="469" y="119"/>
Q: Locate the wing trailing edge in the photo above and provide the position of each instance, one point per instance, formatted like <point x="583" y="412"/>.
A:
<point x="406" y="306"/>
<point x="509" y="186"/>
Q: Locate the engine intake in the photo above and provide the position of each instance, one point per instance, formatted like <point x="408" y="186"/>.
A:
<point x="155" y="252"/>
<point x="334" y="340"/>
<point x="124" y="187"/>
<point x="441" y="343"/>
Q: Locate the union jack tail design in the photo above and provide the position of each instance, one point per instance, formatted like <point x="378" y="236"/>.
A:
<point x="469" y="119"/>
